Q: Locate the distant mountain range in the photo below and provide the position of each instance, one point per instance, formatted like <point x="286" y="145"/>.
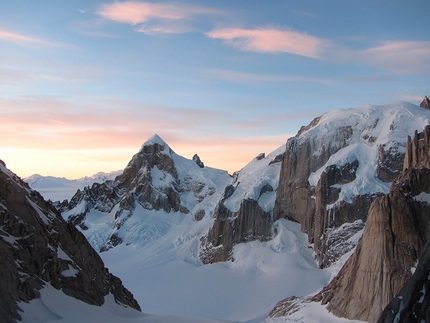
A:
<point x="60" y="188"/>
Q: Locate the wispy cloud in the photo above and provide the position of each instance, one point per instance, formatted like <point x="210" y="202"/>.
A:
<point x="155" y="17"/>
<point x="271" y="40"/>
<point x="403" y="57"/>
<point x="24" y="40"/>
<point x="245" y="77"/>
<point x="75" y="74"/>
<point x="374" y="78"/>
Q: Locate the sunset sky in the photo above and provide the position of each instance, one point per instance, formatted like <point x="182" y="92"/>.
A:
<point x="83" y="84"/>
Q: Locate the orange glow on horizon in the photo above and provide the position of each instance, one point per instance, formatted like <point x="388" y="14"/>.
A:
<point x="222" y="153"/>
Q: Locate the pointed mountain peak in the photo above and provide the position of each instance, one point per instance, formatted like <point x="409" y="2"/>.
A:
<point x="155" y="139"/>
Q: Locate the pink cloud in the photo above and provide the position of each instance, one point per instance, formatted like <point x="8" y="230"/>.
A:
<point x="270" y="40"/>
<point x="164" y="17"/>
<point x="137" y="12"/>
<point x="403" y="57"/>
<point x="245" y="77"/>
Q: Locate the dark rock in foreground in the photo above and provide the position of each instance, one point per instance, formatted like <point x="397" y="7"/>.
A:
<point x="37" y="247"/>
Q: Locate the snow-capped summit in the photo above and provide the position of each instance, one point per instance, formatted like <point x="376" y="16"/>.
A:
<point x="155" y="139"/>
<point x="155" y="181"/>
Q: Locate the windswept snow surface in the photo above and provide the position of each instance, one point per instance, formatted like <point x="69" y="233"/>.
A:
<point x="171" y="285"/>
<point x="60" y="188"/>
<point x="54" y="305"/>
<point x="167" y="278"/>
<point x="248" y="182"/>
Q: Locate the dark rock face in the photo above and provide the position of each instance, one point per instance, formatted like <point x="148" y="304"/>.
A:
<point x="390" y="162"/>
<point x="196" y="158"/>
<point x="137" y="177"/>
<point x="250" y="223"/>
<point x="38" y="246"/>
<point x="412" y="304"/>
<point x="297" y="200"/>
<point x="396" y="231"/>
<point x="425" y="103"/>
<point x="418" y="150"/>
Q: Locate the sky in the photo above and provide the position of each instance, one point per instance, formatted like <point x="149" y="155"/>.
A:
<point x="83" y="84"/>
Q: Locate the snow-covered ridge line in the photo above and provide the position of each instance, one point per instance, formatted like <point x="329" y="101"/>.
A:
<point x="371" y="128"/>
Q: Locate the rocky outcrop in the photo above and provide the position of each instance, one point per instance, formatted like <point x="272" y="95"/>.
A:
<point x="396" y="231"/>
<point x="250" y="223"/>
<point x="418" y="150"/>
<point x="39" y="247"/>
<point x="198" y="161"/>
<point x="412" y="304"/>
<point x="425" y="103"/>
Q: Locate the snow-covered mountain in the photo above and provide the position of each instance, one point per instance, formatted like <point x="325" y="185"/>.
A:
<point x="149" y="221"/>
<point x="165" y="216"/>
<point x="155" y="182"/>
<point x="60" y="188"/>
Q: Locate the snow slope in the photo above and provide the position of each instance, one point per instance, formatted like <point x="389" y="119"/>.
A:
<point x="260" y="172"/>
<point x="167" y="278"/>
<point x="60" y="188"/>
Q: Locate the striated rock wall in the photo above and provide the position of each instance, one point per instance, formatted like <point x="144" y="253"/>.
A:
<point x="382" y="262"/>
<point x="397" y="228"/>
<point x="318" y="208"/>
<point x="412" y="304"/>
<point x="418" y="150"/>
<point x="250" y="223"/>
<point x="38" y="246"/>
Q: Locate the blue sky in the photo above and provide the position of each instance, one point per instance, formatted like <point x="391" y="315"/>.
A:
<point x="83" y="84"/>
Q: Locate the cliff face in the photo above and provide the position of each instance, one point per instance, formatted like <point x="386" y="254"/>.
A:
<point x="39" y="247"/>
<point x="397" y="228"/>
<point x="412" y="304"/>
<point x="417" y="152"/>
<point x="396" y="231"/>
<point x="335" y="167"/>
<point x="330" y="173"/>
